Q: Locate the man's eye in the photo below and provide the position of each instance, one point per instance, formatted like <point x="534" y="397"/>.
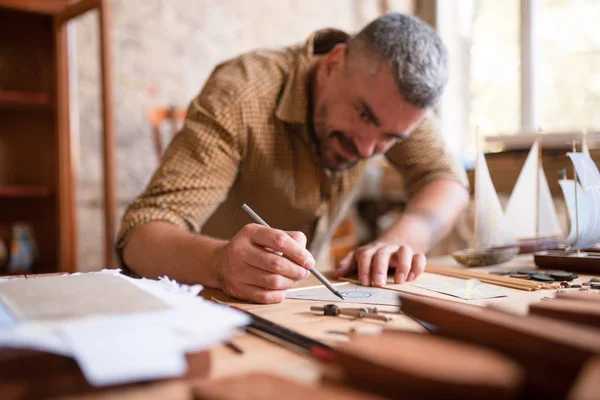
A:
<point x="363" y="115"/>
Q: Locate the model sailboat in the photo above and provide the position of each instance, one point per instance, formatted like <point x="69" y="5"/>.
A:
<point x="493" y="240"/>
<point x="530" y="211"/>
<point x="582" y="196"/>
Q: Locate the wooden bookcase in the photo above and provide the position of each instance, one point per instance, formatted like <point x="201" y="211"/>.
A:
<point x="37" y="178"/>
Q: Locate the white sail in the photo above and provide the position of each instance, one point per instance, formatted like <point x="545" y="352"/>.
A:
<point x="589" y="176"/>
<point x="521" y="213"/>
<point x="581" y="209"/>
<point x="492" y="229"/>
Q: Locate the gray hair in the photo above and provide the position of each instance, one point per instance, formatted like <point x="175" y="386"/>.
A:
<point x="415" y="52"/>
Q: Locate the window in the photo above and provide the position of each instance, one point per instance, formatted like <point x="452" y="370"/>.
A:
<point x="569" y="43"/>
<point x="519" y="65"/>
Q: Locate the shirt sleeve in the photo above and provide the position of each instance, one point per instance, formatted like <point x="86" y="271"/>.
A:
<point x="198" y="169"/>
<point x="424" y="157"/>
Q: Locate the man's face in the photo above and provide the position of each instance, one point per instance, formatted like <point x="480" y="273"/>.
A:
<point x="358" y="113"/>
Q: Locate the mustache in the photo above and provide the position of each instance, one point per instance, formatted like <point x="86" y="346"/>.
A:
<point x="345" y="141"/>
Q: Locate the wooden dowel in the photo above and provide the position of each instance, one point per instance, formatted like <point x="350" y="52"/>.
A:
<point x="108" y="135"/>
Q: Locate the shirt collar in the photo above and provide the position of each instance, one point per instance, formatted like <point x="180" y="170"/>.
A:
<point x="293" y="104"/>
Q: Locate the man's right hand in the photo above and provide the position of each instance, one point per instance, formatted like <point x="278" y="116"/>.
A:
<point x="249" y="268"/>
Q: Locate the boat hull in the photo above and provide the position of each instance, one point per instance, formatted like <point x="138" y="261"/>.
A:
<point x="486" y="256"/>
<point x="571" y="261"/>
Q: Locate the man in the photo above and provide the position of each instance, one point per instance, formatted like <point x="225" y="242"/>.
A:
<point x="288" y="132"/>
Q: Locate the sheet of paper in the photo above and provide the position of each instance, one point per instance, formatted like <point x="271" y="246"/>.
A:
<point x="126" y="350"/>
<point x="352" y="294"/>
<point x="73" y="296"/>
<point x="6" y="318"/>
<point x="114" y="347"/>
<point x="471" y="289"/>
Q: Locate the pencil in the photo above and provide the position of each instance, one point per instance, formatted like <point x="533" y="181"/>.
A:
<point x="313" y="271"/>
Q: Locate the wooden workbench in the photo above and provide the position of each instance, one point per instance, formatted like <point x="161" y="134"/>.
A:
<point x="260" y="355"/>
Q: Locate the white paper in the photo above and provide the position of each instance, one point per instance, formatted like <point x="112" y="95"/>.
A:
<point x="470" y="289"/>
<point x="114" y="351"/>
<point x="352" y="294"/>
<point x="117" y="348"/>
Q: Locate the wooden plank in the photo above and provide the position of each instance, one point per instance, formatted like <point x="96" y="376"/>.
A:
<point x="76" y="9"/>
<point x="587" y="386"/>
<point x="10" y="191"/>
<point x="552" y="352"/>
<point x="580" y="312"/>
<point x="66" y="205"/>
<point x="269" y="386"/>
<point x="579" y="296"/>
<point x="425" y="367"/>
<point x="108" y="138"/>
<point x="36" y="6"/>
<point x="35" y="374"/>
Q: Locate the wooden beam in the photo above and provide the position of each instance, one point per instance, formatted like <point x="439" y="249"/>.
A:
<point x="35" y="6"/>
<point x="67" y="238"/>
<point x="76" y="9"/>
<point x="108" y="137"/>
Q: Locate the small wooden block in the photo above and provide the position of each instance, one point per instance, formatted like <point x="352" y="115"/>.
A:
<point x="34" y="374"/>
<point x="580" y="312"/>
<point x="258" y="386"/>
<point x="425" y="366"/>
<point x="552" y="352"/>
<point x="580" y="296"/>
<point x="587" y="385"/>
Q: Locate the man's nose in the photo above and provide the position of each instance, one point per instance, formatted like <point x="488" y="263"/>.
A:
<point x="365" y="147"/>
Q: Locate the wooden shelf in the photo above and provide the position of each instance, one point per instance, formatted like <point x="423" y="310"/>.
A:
<point x="35" y="6"/>
<point x="24" y="100"/>
<point x="24" y="191"/>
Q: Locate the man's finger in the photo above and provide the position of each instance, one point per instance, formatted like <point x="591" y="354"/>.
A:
<point x="298" y="236"/>
<point x="345" y="265"/>
<point x="418" y="266"/>
<point x="263" y="296"/>
<point x="260" y="278"/>
<point x="272" y="263"/>
<point x="380" y="264"/>
<point x="363" y="261"/>
<point x="403" y="263"/>
<point x="279" y="240"/>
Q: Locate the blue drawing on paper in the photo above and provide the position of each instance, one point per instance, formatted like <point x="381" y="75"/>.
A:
<point x="357" y="294"/>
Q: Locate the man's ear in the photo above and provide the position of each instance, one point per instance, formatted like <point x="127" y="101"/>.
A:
<point x="336" y="58"/>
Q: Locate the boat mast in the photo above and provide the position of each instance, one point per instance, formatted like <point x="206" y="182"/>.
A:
<point x="475" y="221"/>
<point x="537" y="185"/>
<point x="576" y="207"/>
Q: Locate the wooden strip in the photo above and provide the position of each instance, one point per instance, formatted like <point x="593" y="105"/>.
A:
<point x="76" y="9"/>
<point x="580" y="312"/>
<point x="487" y="278"/>
<point x="36" y="6"/>
<point x="587" y="386"/>
<point x="108" y="137"/>
<point x="579" y="296"/>
<point x="425" y="367"/>
<point x="66" y="204"/>
<point x="552" y="351"/>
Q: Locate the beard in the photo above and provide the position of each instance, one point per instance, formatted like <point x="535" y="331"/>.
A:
<point x="324" y="136"/>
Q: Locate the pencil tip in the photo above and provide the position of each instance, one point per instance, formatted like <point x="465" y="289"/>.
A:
<point x="338" y="294"/>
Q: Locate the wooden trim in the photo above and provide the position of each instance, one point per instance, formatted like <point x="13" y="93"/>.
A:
<point x="426" y="10"/>
<point x="108" y="137"/>
<point x="76" y="9"/>
<point x="67" y="239"/>
<point x="36" y="6"/>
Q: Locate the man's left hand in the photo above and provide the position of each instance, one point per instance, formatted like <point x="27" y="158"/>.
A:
<point x="373" y="260"/>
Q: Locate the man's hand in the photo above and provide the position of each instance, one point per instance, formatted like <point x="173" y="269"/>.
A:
<point x="260" y="263"/>
<point x="372" y="262"/>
